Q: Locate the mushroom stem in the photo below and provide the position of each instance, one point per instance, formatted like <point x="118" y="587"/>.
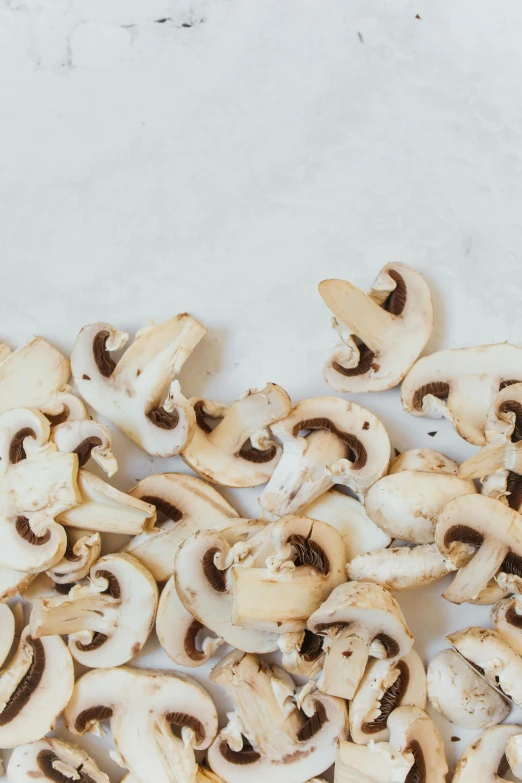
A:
<point x="356" y="311"/>
<point x="470" y="580"/>
<point x="346" y="658"/>
<point x="508" y="456"/>
<point x="379" y="763"/>
<point x="83" y="609"/>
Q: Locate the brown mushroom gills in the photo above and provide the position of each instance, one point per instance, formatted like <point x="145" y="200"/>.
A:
<point x="113" y="587"/>
<point x="83" y="450"/>
<point x="309" y="553"/>
<point x="214" y="576"/>
<point x="16" y="448"/>
<point x="104" y="362"/>
<point x="207" y="424"/>
<point x="58" y="418"/>
<point x="181" y="719"/>
<point x="165" y="420"/>
<point x="436" y="389"/>
<point x="366" y="361"/>
<point x="45" y="760"/>
<point x="165" y="510"/>
<point x="247" y="754"/>
<point x="28" y="683"/>
<point x="356" y="451"/>
<point x="391" y="646"/>
<point x="417" y="773"/>
<point x="513" y="406"/>
<point x="395" y="302"/>
<point x="24" y="530"/>
<point x="389" y="701"/>
<point x="514" y="490"/>
<point x="464" y="535"/>
<point x="90" y="715"/>
<point x="312" y="725"/>
<point x="512" y="564"/>
<point x="190" y="641"/>
<point x="311" y="646"/>
<point x="98" y="639"/>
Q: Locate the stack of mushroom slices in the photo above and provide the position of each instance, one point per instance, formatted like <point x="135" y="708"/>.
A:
<point x="294" y="611"/>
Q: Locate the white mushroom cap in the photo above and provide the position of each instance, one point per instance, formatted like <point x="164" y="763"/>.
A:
<point x="143" y="707"/>
<point x="461" y="695"/>
<point x="184" y="505"/>
<point x="482" y="759"/>
<point x="34" y="689"/>
<point x="238" y="451"/>
<point x="382" y="332"/>
<point x="139" y="394"/>
<point x="426" y="460"/>
<point x="7" y="631"/>
<point x="83" y="549"/>
<point x="108" y="620"/>
<point x="362" y="619"/>
<point x="504" y="421"/>
<point x="51" y="760"/>
<point x="411" y="729"/>
<point x="461" y="385"/>
<point x="401" y="568"/>
<point x="373" y="763"/>
<point x="506" y="616"/>
<point x="87" y="439"/>
<point x="345" y="444"/>
<point x="384" y="687"/>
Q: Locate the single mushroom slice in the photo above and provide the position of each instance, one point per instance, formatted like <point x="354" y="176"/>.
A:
<point x="139" y="394"/>
<point x="413" y="731"/>
<point x="184" y="504"/>
<point x="273" y="734"/>
<point x="302" y="653"/>
<point x="500" y="472"/>
<point x="83" y="549"/>
<point x="359" y="620"/>
<point x="232" y="445"/>
<point x="384" y="687"/>
<point x="382" y="332"/>
<point x="51" y="760"/>
<point x="484" y="760"/>
<point x="147" y="711"/>
<point x="425" y="460"/>
<point x="109" y="619"/>
<point x="401" y="568"/>
<point x="326" y="441"/>
<point x="460" y="385"/>
<point x="461" y="695"/>
<point x="478" y="534"/>
<point x="34" y="689"/>
<point x="373" y="763"/>
<point x="87" y="439"/>
<point x="506" y="616"/>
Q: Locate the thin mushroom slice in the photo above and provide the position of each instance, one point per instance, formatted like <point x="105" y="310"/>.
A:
<point x="87" y="439"/>
<point x="273" y="734"/>
<point x="147" y="712"/>
<point x="504" y="420"/>
<point x="374" y="763"/>
<point x="461" y="385"/>
<point x="425" y="460"/>
<point x="238" y="451"/>
<point x="461" y="695"/>
<point x="139" y="394"/>
<point x="326" y="441"/>
<point x="109" y="619"/>
<point x="483" y="761"/>
<point x="51" y="760"/>
<point x="83" y="549"/>
<point x="413" y="731"/>
<point x="401" y="568"/>
<point x="382" y="332"/>
<point x="506" y="616"/>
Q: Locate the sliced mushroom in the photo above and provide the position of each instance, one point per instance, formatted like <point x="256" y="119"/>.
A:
<point x="514" y="753"/>
<point x="87" y="439"/>
<point x="184" y="504"/>
<point x="484" y="760"/>
<point x="480" y="528"/>
<point x="34" y="689"/>
<point x="108" y="620"/>
<point x="493" y="591"/>
<point x="384" y="687"/>
<point x="13" y="582"/>
<point x="461" y="385"/>
<point x="401" y="568"/>
<point x="506" y="616"/>
<point x="273" y="734"/>
<point x="500" y="472"/>
<point x="83" y="549"/>
<point x="425" y="460"/>
<point x="51" y="760"/>
<point x="382" y="332"/>
<point x="412" y="730"/>
<point x="238" y="450"/>
<point x="373" y="763"/>
<point x="461" y="695"/>
<point x="139" y="394"/>
<point x="302" y="653"/>
<point x="359" y="620"/>
<point x="340" y="443"/>
<point x="145" y="709"/>
<point x="504" y="420"/>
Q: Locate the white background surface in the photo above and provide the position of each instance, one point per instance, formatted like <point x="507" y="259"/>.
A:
<point x="226" y="168"/>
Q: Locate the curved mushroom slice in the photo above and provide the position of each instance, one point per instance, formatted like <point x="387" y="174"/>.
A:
<point x="7" y="631"/>
<point x="340" y="443"/>
<point x="483" y="760"/>
<point x="425" y="460"/>
<point x="52" y="761"/>
<point x="359" y="620"/>
<point x="374" y="763"/>
<point x="461" y="385"/>
<point x="105" y="509"/>
<point x="108" y="620"/>
<point x="184" y="504"/>
<point x="34" y="689"/>
<point x="145" y="709"/>
<point x="411" y="730"/>
<point x="238" y="451"/>
<point x="83" y="549"/>
<point x="401" y="568"/>
<point x="382" y="332"/>
<point x="384" y="687"/>
<point x="87" y="439"/>
<point x="506" y="616"/>
<point x="273" y="734"/>
<point x="461" y="695"/>
<point x="139" y="394"/>
<point x="302" y="653"/>
<point x="504" y="420"/>
<point x="486" y="530"/>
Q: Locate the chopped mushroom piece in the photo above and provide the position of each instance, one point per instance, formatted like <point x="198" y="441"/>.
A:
<point x="359" y="620"/>
<point x="401" y="568"/>
<point x="108" y="620"/>
<point x="426" y="460"/>
<point x="145" y="708"/>
<point x="302" y="653"/>
<point x="494" y="591"/>
<point x="238" y="451"/>
<point x="326" y="441"/>
<point x="51" y="760"/>
<point x="461" y="385"/>
<point x="87" y="439"/>
<point x="483" y="760"/>
<point x="273" y="734"/>
<point x="382" y="332"/>
<point x="373" y="763"/>
<point x="506" y="616"/>
<point x="139" y="394"/>
<point x="461" y="695"/>
<point x="83" y="549"/>
<point x="504" y="421"/>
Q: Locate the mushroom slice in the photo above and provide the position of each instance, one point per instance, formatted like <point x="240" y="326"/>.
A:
<point x="359" y="620"/>
<point x="382" y="332"/>
<point x="145" y="709"/>
<point x="13" y="582"/>
<point x="487" y="530"/>
<point x="302" y="653"/>
<point x="461" y="695"/>
<point x="83" y="549"/>
<point x="461" y="385"/>
<point x="484" y="760"/>
<point x="413" y="731"/>
<point x="514" y="753"/>
<point x="373" y="763"/>
<point x="7" y="631"/>
<point x="406" y="504"/>
<point x="504" y="420"/>
<point x="401" y="568"/>
<point x="326" y="441"/>
<point x="493" y="591"/>
<point x="105" y="509"/>
<point x="273" y="734"/>
<point x="238" y="451"/>
<point x="139" y="394"/>
<point x="384" y="687"/>
<point x="34" y="689"/>
<point x="53" y="761"/>
<point x="425" y="460"/>
<point x="87" y="439"/>
<point x="500" y="472"/>
<point x="506" y="616"/>
<point x="108" y="620"/>
<point x="184" y="504"/>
